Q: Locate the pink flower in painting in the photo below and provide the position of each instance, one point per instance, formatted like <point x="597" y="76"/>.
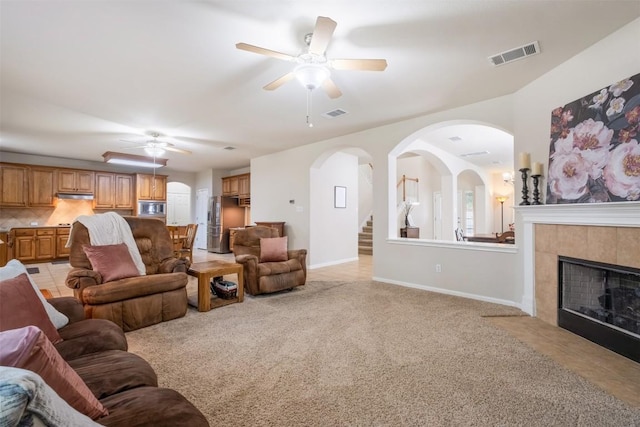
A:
<point x="616" y="106"/>
<point x="622" y="86"/>
<point x="600" y="98"/>
<point x="568" y="175"/>
<point x="622" y="174"/>
<point x="590" y="139"/>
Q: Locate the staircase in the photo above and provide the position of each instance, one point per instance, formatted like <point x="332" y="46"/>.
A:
<point x="365" y="239"/>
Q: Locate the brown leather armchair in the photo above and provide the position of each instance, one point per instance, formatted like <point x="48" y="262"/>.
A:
<point x="265" y="277"/>
<point x="133" y="302"/>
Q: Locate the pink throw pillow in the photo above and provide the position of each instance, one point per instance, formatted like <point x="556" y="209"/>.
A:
<point x="113" y="262"/>
<point x="273" y="249"/>
<point x="29" y="348"/>
<point x="20" y="306"/>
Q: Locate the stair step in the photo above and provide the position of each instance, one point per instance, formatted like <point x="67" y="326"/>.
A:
<point x="365" y="235"/>
<point x="367" y="229"/>
<point x="370" y="223"/>
<point x="365" y="251"/>
<point x="365" y="243"/>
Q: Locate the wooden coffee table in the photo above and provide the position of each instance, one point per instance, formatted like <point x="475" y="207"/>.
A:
<point x="204" y="271"/>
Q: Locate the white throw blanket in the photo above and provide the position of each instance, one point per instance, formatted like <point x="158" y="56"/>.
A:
<point x="110" y="229"/>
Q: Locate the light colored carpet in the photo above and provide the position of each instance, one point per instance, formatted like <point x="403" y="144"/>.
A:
<point x="367" y="354"/>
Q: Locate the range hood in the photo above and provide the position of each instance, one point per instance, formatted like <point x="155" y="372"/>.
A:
<point x="75" y="196"/>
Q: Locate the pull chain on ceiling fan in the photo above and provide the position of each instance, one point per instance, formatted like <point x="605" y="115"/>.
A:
<point x="314" y="69"/>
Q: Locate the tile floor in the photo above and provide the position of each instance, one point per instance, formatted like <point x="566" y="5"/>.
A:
<point x="607" y="370"/>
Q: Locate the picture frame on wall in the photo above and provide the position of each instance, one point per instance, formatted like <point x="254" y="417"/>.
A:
<point x="594" y="154"/>
<point x="339" y="197"/>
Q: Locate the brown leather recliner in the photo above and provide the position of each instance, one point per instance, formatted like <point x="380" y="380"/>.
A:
<point x="134" y="302"/>
<point x="265" y="277"/>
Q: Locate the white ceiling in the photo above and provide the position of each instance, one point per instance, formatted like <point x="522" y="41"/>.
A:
<point x="78" y="76"/>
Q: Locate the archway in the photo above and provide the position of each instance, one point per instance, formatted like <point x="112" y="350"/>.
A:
<point x="458" y="176"/>
<point x="334" y="225"/>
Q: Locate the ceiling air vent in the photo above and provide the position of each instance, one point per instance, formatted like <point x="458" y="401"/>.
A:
<point x="334" y="113"/>
<point x="229" y="148"/>
<point x="514" y="54"/>
<point x="455" y="139"/>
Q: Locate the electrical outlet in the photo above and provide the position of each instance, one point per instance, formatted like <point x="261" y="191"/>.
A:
<point x="34" y="223"/>
<point x="438" y="268"/>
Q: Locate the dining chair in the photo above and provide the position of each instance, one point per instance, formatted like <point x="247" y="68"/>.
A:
<point x="186" y="251"/>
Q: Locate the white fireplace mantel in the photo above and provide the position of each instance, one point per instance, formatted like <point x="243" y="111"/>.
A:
<point x="615" y="214"/>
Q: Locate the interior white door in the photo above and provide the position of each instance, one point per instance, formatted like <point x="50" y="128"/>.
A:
<point x="178" y="208"/>
<point x="202" y="209"/>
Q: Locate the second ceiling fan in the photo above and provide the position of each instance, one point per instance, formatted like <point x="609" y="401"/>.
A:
<point x="313" y="69"/>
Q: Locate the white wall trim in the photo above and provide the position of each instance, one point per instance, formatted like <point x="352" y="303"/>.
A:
<point x="468" y="246"/>
<point x="330" y="263"/>
<point x="448" y="292"/>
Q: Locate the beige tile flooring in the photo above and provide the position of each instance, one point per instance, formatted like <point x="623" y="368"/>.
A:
<point x="607" y="370"/>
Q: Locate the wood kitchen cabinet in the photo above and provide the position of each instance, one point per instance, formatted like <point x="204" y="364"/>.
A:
<point x="42" y="187"/>
<point x="38" y="244"/>
<point x="113" y="191"/>
<point x="4" y="237"/>
<point x="230" y="186"/>
<point x="75" y="181"/>
<point x="238" y="186"/>
<point x="62" y="235"/>
<point x="13" y="185"/>
<point x="151" y="187"/>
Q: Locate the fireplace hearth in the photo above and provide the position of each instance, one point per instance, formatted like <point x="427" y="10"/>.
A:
<point x="600" y="302"/>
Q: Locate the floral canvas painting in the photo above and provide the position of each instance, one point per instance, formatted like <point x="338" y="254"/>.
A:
<point x="594" y="156"/>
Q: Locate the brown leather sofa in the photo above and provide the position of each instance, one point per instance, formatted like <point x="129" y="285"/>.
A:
<point x="265" y="277"/>
<point x="123" y="382"/>
<point x="133" y="302"/>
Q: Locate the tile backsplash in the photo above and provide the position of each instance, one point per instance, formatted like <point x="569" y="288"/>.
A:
<point x="65" y="212"/>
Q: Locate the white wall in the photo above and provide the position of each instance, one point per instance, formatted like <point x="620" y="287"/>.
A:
<point x="333" y="231"/>
<point x="365" y="193"/>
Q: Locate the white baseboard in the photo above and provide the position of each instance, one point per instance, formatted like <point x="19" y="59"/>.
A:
<point x="450" y="292"/>
<point x="330" y="263"/>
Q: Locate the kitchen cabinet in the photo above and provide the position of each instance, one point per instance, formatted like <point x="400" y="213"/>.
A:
<point x="238" y="186"/>
<point x="42" y="187"/>
<point x="151" y="187"/>
<point x="230" y="186"/>
<point x="62" y="235"/>
<point x="113" y="191"/>
<point x="75" y="181"/>
<point x="4" y="244"/>
<point x="38" y="244"/>
<point x="13" y="185"/>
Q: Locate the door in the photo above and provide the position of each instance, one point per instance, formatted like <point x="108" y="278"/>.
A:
<point x="202" y="201"/>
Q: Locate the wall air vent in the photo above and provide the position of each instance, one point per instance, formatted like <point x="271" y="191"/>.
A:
<point x="475" y="153"/>
<point x="514" y="54"/>
<point x="334" y="113"/>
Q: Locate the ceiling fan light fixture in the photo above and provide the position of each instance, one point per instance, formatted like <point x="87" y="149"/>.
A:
<point x="154" y="151"/>
<point x="133" y="160"/>
<point x="311" y="76"/>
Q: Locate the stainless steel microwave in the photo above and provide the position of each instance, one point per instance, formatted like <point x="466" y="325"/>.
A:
<point x="152" y="209"/>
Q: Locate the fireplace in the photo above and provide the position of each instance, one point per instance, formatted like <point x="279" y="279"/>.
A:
<point x="600" y="302"/>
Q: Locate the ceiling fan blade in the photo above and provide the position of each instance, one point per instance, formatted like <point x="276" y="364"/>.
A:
<point x="280" y="81"/>
<point x="176" y="149"/>
<point x="359" y="64"/>
<point x="331" y="89"/>
<point x="322" y="34"/>
<point x="263" y="51"/>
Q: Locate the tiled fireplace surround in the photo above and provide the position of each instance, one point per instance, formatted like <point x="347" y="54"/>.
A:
<point x="604" y="232"/>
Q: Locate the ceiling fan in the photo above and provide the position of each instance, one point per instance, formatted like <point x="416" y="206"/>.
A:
<point x="155" y="147"/>
<point x="314" y="68"/>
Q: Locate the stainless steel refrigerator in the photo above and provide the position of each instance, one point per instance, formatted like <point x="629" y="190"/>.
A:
<point x="224" y="213"/>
